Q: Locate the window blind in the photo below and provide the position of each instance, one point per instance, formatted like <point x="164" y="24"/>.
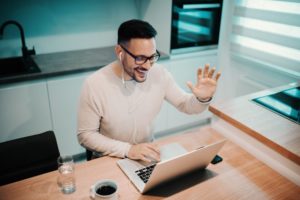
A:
<point x="268" y="32"/>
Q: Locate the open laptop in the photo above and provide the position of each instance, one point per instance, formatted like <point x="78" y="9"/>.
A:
<point x="175" y="161"/>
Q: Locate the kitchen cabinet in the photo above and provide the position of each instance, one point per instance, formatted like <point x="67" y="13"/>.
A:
<point x="64" y="92"/>
<point x="24" y="110"/>
<point x="161" y="120"/>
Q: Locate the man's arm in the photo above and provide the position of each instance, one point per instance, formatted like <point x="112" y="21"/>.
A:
<point x="202" y="92"/>
<point x="88" y="131"/>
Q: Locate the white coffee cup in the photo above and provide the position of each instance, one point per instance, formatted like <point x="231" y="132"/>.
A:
<point x="105" y="189"/>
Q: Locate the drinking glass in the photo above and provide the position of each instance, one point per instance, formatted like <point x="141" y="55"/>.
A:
<point x="66" y="174"/>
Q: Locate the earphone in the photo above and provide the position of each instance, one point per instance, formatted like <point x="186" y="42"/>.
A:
<point x="120" y="57"/>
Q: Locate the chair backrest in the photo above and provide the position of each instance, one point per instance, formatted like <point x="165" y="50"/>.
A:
<point x="28" y="156"/>
<point x="89" y="154"/>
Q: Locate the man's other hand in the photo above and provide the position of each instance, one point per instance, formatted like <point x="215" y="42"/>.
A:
<point x="145" y="151"/>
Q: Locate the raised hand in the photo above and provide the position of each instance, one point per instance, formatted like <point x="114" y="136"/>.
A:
<point x="206" y="83"/>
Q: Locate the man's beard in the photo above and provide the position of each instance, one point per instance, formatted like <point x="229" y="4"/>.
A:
<point x="135" y="73"/>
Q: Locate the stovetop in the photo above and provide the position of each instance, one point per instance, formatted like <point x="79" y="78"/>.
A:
<point x="285" y="103"/>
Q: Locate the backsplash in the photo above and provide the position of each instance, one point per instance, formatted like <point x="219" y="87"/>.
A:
<point x="54" y="26"/>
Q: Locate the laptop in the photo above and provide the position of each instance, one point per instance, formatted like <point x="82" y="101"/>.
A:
<point x="175" y="161"/>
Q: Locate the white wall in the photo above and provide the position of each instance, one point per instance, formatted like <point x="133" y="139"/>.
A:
<point x="159" y="14"/>
<point x="225" y="82"/>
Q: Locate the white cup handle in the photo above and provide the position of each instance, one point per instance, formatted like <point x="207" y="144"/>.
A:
<point x="92" y="193"/>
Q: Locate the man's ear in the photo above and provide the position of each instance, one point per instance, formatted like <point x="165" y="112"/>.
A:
<point x="118" y="51"/>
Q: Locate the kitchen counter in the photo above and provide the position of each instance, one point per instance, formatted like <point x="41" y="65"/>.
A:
<point x="274" y="131"/>
<point x="69" y="62"/>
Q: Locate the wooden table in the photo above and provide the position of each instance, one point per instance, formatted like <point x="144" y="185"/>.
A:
<point x="239" y="176"/>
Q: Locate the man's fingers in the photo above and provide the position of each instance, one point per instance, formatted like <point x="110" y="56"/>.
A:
<point x="154" y="152"/>
<point x="154" y="157"/>
<point x="146" y="151"/>
<point x="206" y="69"/>
<point x="211" y="72"/>
<point x="145" y="158"/>
<point x="218" y="76"/>
<point x="154" y="148"/>
<point x="199" y="73"/>
<point x="150" y="156"/>
<point x="150" y="152"/>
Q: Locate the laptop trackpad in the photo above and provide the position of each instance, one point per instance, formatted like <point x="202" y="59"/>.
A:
<point x="171" y="150"/>
<point x="167" y="152"/>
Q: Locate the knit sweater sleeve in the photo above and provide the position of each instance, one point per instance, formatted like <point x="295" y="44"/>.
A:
<point x="183" y="101"/>
<point x="89" y="135"/>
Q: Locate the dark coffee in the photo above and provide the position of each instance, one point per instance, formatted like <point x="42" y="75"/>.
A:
<point x="105" y="190"/>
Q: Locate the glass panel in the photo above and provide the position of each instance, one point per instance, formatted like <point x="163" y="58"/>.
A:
<point x="285" y="103"/>
<point x="195" y="24"/>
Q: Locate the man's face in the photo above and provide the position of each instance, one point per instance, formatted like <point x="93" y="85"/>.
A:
<point x="138" y="47"/>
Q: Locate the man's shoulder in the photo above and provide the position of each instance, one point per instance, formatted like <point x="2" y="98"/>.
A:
<point x="159" y="69"/>
<point x="159" y="72"/>
<point x="100" y="75"/>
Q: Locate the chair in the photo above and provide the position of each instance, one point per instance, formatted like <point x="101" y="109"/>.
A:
<point x="28" y="156"/>
<point x="90" y="155"/>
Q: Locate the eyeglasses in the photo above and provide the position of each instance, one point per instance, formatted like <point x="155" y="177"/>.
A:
<point x="141" y="59"/>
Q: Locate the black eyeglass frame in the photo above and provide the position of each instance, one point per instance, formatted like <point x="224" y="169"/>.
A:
<point x="141" y="59"/>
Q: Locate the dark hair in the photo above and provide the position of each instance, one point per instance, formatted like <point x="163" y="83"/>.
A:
<point x="135" y="29"/>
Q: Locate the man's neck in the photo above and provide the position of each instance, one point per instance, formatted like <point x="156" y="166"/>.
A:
<point x="120" y="72"/>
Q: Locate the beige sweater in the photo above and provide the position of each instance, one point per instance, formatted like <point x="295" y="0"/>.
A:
<point x="114" y="115"/>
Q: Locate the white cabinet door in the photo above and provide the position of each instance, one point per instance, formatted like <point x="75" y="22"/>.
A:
<point x="183" y="70"/>
<point x="160" y="123"/>
<point x="64" y="95"/>
<point x="24" y="110"/>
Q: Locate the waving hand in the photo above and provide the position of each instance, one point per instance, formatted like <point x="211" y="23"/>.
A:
<point x="206" y="83"/>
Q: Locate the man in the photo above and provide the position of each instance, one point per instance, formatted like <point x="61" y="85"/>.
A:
<point x="120" y="101"/>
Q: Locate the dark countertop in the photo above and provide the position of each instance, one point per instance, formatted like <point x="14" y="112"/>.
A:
<point x="69" y="62"/>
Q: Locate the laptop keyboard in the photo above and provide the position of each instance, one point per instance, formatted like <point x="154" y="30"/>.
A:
<point x="145" y="172"/>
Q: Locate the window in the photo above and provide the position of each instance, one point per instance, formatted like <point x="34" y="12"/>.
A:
<point x="268" y="32"/>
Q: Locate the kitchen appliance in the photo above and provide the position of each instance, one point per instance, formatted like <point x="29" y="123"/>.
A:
<point x="195" y="25"/>
<point x="285" y="103"/>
